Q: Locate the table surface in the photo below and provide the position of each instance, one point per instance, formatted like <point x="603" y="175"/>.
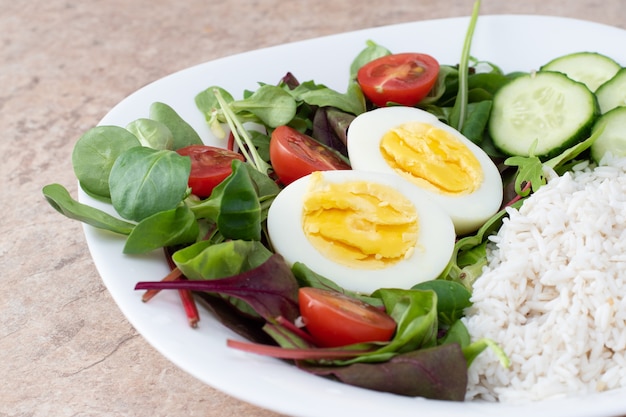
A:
<point x="66" y="348"/>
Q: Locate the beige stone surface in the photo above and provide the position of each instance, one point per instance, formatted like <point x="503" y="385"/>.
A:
<point x="65" y="348"/>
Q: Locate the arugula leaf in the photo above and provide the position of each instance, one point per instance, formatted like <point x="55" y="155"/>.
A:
<point x="529" y="175"/>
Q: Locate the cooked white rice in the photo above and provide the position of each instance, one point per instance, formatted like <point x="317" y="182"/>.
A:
<point x="552" y="295"/>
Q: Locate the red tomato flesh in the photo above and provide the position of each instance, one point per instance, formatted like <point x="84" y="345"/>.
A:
<point x="294" y="155"/>
<point x="399" y="78"/>
<point x="334" y="319"/>
<point x="210" y="165"/>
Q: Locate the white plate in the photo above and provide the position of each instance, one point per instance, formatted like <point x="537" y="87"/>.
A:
<point x="513" y="42"/>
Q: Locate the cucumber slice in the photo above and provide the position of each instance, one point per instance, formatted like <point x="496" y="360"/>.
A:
<point x="590" y="68"/>
<point x="547" y="107"/>
<point x="613" y="136"/>
<point x="612" y="93"/>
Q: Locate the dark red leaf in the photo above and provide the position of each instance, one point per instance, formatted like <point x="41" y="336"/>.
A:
<point x="436" y="373"/>
<point x="270" y="289"/>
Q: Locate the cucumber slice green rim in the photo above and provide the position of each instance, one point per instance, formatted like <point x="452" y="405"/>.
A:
<point x="590" y="68"/>
<point x="544" y="107"/>
<point x="612" y="93"/>
<point x="613" y="136"/>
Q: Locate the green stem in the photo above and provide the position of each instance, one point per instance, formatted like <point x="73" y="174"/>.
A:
<point x="461" y="100"/>
<point x="248" y="150"/>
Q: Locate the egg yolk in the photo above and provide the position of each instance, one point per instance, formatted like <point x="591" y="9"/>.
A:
<point x="432" y="158"/>
<point x="359" y="224"/>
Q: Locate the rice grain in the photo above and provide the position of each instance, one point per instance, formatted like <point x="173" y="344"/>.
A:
<point x="552" y="294"/>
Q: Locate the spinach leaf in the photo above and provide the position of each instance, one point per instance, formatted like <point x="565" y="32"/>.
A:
<point x="261" y="142"/>
<point x="489" y="82"/>
<point x="445" y="86"/>
<point x="457" y="333"/>
<point x="203" y="260"/>
<point x="95" y="153"/>
<point x="240" y="211"/>
<point x="166" y="228"/>
<point x="271" y="104"/>
<point x="151" y="134"/>
<point x="452" y="299"/>
<point x="239" y="204"/>
<point x="144" y="181"/>
<point x="371" y="52"/>
<point x="460" y="269"/>
<point x="206" y="260"/>
<point x="415" y="313"/>
<point x="320" y="95"/>
<point x="477" y="120"/>
<point x="182" y="132"/>
<point x="207" y="102"/>
<point x="60" y="199"/>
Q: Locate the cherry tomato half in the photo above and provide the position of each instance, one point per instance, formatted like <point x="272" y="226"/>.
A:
<point x="400" y="78"/>
<point x="334" y="319"/>
<point x="294" y="154"/>
<point x="209" y="166"/>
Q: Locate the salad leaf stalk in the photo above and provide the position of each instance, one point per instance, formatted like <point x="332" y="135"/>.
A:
<point x="242" y="137"/>
<point x="472" y="351"/>
<point x="459" y="111"/>
<point x="293" y="353"/>
<point x="174" y="275"/>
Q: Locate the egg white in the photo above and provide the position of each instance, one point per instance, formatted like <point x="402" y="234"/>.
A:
<point x="468" y="211"/>
<point x="435" y="241"/>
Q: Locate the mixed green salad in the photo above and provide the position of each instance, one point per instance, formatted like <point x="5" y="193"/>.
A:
<point x="206" y="208"/>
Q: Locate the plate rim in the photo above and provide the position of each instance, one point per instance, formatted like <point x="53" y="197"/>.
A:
<point x="95" y="239"/>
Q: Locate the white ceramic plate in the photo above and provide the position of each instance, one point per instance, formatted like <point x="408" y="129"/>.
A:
<point x="513" y="42"/>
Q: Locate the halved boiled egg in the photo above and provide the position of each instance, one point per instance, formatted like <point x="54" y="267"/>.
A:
<point x="362" y="230"/>
<point x="416" y="146"/>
